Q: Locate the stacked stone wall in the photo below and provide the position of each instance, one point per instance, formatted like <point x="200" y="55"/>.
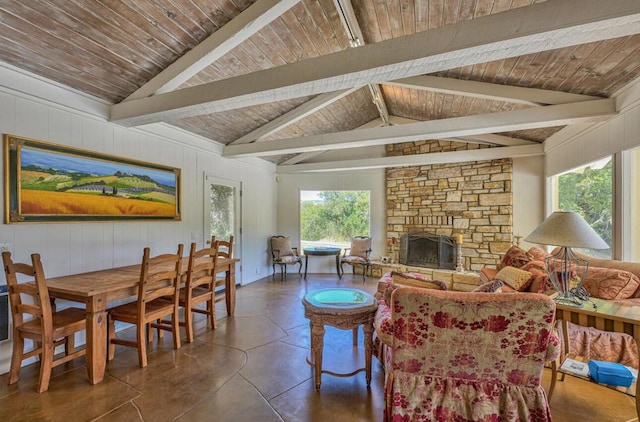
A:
<point x="472" y="198"/>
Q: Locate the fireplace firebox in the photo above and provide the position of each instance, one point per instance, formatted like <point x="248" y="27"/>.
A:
<point x="422" y="249"/>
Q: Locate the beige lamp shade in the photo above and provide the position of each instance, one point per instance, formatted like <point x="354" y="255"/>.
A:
<point x="564" y="228"/>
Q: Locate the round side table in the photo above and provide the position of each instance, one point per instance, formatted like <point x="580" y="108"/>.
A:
<point x="346" y="309"/>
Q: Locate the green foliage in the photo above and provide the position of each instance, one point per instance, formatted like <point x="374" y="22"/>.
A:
<point x="222" y="217"/>
<point x="590" y="194"/>
<point x="337" y="217"/>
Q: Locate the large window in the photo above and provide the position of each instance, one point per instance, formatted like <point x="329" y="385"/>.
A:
<point x="588" y="191"/>
<point x="331" y="218"/>
<point x="631" y="205"/>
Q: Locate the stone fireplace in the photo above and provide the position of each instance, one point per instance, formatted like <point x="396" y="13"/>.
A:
<point x="471" y="198"/>
<point x="427" y="250"/>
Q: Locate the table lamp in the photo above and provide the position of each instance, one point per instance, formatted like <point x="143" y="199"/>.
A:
<point x="566" y="271"/>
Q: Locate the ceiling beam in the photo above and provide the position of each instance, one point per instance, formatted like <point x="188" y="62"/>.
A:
<point x="307" y="155"/>
<point x="493" y="139"/>
<point x="294" y="115"/>
<point x="417" y="160"/>
<point x="525" y="30"/>
<point x="356" y="39"/>
<point x="490" y="91"/>
<point x="548" y="116"/>
<point x="225" y="39"/>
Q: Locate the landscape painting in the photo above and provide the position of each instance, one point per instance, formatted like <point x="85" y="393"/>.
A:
<point x="45" y="182"/>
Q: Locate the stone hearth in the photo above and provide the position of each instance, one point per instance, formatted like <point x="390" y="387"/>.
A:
<point x="472" y="198"/>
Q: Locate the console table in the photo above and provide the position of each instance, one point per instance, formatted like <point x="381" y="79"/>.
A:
<point x="321" y="251"/>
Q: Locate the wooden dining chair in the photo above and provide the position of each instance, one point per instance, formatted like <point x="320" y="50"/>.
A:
<point x="159" y="279"/>
<point x="46" y="329"/>
<point x="198" y="287"/>
<point x="225" y="250"/>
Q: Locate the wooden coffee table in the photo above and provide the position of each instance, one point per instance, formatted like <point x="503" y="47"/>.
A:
<point x="608" y="315"/>
<point x="346" y="309"/>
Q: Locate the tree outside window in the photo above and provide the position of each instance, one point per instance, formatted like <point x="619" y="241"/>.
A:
<point x="588" y="191"/>
<point x="331" y="218"/>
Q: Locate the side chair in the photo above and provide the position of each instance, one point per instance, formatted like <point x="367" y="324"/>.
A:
<point x="283" y="254"/>
<point x="225" y="250"/>
<point x="159" y="279"/>
<point x="198" y="288"/>
<point x="46" y="329"/>
<point x="357" y="254"/>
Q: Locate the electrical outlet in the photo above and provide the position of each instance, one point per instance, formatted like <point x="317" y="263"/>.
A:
<point x="5" y="247"/>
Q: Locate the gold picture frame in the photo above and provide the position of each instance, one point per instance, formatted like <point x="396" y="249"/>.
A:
<point x="46" y="182"/>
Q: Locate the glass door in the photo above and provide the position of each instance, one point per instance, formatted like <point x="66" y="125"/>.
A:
<point x="223" y="213"/>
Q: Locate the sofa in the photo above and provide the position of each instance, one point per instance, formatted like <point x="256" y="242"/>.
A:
<point x="606" y="279"/>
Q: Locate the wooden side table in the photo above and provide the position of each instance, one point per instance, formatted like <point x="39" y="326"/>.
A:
<point x="321" y="251"/>
<point x="346" y="309"/>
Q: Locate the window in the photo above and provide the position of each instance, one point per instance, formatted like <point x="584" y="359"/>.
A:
<point x="331" y="218"/>
<point x="588" y="191"/>
<point x="631" y="205"/>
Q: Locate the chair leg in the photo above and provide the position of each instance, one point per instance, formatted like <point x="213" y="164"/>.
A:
<point x="46" y="363"/>
<point x="300" y="268"/>
<point x="141" y="330"/>
<point x="273" y="275"/>
<point x="188" y="322"/>
<point x="282" y="272"/>
<point x="175" y="328"/>
<point x="16" y="358"/>
<point x="211" y="308"/>
<point x="70" y="344"/>
<point x="111" y="334"/>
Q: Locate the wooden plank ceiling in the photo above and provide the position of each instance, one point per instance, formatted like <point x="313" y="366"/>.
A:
<point x="349" y="71"/>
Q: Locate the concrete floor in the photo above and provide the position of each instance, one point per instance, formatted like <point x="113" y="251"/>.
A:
<point x="252" y="368"/>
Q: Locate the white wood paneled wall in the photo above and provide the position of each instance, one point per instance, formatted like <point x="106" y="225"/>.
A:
<point x="80" y="247"/>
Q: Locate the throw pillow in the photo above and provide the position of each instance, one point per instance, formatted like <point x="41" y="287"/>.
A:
<point x="417" y="280"/>
<point x="282" y="245"/>
<point x="610" y="283"/>
<point x="537" y="253"/>
<point x="494" y="286"/>
<point x="515" y="257"/>
<point x="360" y="247"/>
<point x="539" y="277"/>
<point x="516" y="278"/>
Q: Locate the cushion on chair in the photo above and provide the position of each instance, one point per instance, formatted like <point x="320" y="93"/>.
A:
<point x="360" y="247"/>
<point x="515" y="257"/>
<point x="350" y="259"/>
<point x="610" y="283"/>
<point x="516" y="278"/>
<point x="282" y="245"/>
<point x="288" y="259"/>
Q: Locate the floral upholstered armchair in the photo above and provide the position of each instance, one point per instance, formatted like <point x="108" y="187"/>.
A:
<point x="357" y="254"/>
<point x="466" y="356"/>
<point x="283" y="254"/>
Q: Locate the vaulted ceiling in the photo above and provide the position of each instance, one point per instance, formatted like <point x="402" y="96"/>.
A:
<point x="324" y="84"/>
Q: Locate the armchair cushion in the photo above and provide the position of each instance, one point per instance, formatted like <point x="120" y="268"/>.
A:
<point x="360" y="247"/>
<point x="282" y="245"/>
<point x="515" y="278"/>
<point x="410" y="280"/>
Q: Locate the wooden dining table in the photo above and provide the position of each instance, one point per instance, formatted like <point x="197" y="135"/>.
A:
<point x="96" y="289"/>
